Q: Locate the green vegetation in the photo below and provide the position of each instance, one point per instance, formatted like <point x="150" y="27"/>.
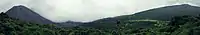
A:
<point x="179" y="25"/>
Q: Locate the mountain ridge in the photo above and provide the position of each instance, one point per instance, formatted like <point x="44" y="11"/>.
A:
<point x="162" y="13"/>
<point x="170" y="11"/>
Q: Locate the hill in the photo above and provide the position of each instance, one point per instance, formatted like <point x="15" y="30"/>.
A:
<point x="26" y="14"/>
<point x="177" y="25"/>
<point x="163" y="14"/>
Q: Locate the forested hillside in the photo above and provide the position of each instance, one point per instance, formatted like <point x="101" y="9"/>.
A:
<point x="174" y="22"/>
<point x="179" y="25"/>
<point x="162" y="14"/>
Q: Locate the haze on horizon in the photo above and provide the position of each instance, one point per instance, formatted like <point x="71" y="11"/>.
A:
<point x="88" y="10"/>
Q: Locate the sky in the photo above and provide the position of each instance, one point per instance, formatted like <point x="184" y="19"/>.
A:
<point x="88" y="10"/>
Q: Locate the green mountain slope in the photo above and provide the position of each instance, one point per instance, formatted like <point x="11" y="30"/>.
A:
<point x="179" y="25"/>
<point x="122" y="25"/>
<point x="12" y="26"/>
<point x="163" y="14"/>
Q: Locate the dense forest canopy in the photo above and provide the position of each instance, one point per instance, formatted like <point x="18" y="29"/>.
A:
<point x="170" y="20"/>
<point x="179" y="25"/>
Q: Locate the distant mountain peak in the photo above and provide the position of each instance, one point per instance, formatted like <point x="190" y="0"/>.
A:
<point x="24" y="13"/>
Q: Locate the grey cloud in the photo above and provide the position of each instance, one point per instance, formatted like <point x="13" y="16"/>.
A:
<point x="87" y="10"/>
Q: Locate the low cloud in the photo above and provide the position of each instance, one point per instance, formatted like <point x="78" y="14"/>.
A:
<point x="87" y="10"/>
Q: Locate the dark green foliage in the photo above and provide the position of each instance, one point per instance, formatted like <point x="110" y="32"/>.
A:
<point x="111" y="22"/>
<point x="12" y="26"/>
<point x="178" y="25"/>
<point x="143" y="23"/>
<point x="163" y="13"/>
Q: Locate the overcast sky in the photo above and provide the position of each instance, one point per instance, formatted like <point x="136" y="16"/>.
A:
<point x="87" y="10"/>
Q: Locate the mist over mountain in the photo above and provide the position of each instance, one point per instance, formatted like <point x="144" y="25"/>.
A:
<point x="64" y="10"/>
<point x="23" y="13"/>
<point x="100" y="17"/>
<point x="169" y="20"/>
<point x="163" y="13"/>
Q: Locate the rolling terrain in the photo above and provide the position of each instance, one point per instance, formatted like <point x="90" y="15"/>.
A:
<point x="162" y="14"/>
<point x="170" y="20"/>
